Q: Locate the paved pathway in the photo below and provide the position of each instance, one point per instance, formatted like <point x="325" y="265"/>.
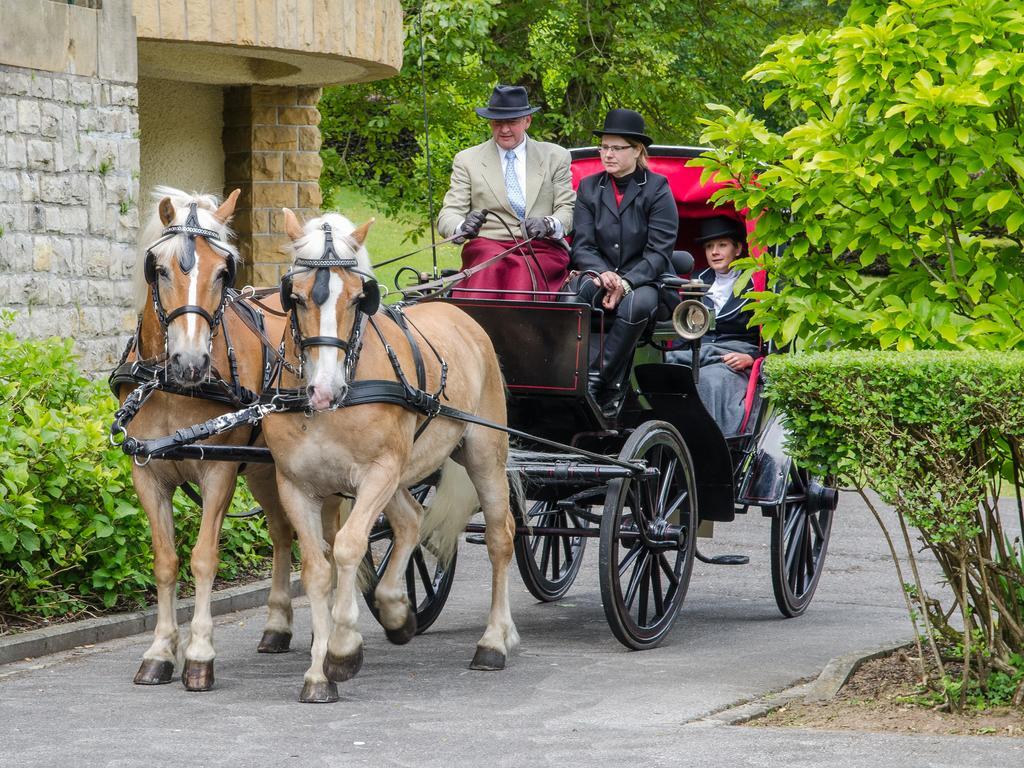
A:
<point x="572" y="696"/>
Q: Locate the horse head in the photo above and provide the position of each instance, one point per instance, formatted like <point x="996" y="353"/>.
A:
<point x="330" y="290"/>
<point x="189" y="267"/>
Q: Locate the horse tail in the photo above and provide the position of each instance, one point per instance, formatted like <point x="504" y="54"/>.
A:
<point x="444" y="521"/>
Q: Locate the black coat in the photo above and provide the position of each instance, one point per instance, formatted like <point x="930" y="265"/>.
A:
<point x="634" y="239"/>
<point x="731" y="321"/>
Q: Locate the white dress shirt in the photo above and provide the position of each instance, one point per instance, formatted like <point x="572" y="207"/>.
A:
<point x="722" y="289"/>
<point x="520" y="168"/>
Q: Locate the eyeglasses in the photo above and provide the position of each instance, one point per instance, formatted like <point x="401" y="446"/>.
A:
<point x="614" y="147"/>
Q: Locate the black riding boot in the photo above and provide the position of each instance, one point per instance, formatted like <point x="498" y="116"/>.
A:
<point x="619" y="343"/>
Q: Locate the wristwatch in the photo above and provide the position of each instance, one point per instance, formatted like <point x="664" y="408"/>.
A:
<point x="626" y="288"/>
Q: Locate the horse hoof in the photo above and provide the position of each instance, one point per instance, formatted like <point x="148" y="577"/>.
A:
<point x="340" y="669"/>
<point x="319" y="693"/>
<point x="197" y="675"/>
<point x="274" y="642"/>
<point x="487" y="659"/>
<point x="404" y="633"/>
<point x="154" y="672"/>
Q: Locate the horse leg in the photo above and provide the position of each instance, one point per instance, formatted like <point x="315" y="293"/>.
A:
<point x="344" y="654"/>
<point x="484" y="457"/>
<point x="397" y="616"/>
<point x="158" y="660"/>
<point x="217" y="488"/>
<point x="304" y="512"/>
<point x="277" y="632"/>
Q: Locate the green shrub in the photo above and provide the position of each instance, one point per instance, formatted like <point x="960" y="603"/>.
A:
<point x="73" y="537"/>
<point x="940" y="437"/>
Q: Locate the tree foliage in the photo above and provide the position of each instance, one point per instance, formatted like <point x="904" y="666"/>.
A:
<point x="909" y="156"/>
<point x="665" y="58"/>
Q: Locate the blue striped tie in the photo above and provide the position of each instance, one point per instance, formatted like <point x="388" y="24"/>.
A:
<point x="515" y="192"/>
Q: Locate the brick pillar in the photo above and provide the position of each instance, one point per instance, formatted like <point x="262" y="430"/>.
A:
<point x="272" y="153"/>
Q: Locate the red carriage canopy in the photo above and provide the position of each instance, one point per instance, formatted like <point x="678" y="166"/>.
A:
<point x="693" y="199"/>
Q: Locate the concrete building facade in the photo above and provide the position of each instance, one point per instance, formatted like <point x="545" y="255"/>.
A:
<point x="101" y="100"/>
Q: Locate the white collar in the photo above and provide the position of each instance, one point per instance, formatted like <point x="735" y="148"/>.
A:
<point x="728" y="277"/>
<point x="519" y="151"/>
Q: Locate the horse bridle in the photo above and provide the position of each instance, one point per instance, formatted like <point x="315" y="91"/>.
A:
<point x="367" y="304"/>
<point x="186" y="262"/>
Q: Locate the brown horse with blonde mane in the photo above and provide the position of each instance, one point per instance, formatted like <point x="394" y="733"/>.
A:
<point x="183" y="334"/>
<point x="374" y="451"/>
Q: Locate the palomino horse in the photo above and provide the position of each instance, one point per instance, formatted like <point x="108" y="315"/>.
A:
<point x="185" y="329"/>
<point x="375" y="450"/>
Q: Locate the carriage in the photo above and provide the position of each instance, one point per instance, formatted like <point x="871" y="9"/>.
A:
<point x="647" y="522"/>
<point x="646" y="481"/>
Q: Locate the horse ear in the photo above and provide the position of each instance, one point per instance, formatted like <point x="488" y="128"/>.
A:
<point x="359" y="234"/>
<point x="227" y="208"/>
<point x="166" y="209"/>
<point x="292" y="225"/>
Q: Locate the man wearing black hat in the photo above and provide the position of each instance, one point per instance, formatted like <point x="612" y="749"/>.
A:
<point x="728" y="352"/>
<point x="528" y="184"/>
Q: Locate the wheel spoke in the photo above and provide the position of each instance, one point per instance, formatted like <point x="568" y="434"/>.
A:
<point x="673" y="580"/>
<point x="630" y="556"/>
<point x="676" y="503"/>
<point x="554" y="546"/>
<point x="545" y="553"/>
<point x="667" y="476"/>
<point x="634" y="580"/>
<point x="793" y="513"/>
<point x="656" y="591"/>
<point x="793" y="550"/>
<point x="426" y="578"/>
<point x="816" y="523"/>
<point x="645" y="588"/>
<point x="567" y="547"/>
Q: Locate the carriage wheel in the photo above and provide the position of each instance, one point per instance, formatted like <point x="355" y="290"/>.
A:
<point x="800" y="533"/>
<point x="549" y="564"/>
<point x="644" y="578"/>
<point x="427" y="581"/>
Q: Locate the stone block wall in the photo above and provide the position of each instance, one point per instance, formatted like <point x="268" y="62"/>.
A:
<point x="271" y="153"/>
<point x="69" y="165"/>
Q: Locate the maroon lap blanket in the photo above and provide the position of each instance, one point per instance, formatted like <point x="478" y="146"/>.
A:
<point x="543" y="269"/>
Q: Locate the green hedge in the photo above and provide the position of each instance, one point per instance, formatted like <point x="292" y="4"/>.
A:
<point x="73" y="537"/>
<point x="940" y="437"/>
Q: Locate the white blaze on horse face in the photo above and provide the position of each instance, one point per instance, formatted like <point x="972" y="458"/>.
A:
<point x="328" y="379"/>
<point x="193" y="292"/>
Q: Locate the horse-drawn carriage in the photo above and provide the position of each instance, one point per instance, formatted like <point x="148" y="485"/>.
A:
<point x="645" y="480"/>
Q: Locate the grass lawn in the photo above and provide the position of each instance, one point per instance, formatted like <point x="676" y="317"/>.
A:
<point x="388" y="238"/>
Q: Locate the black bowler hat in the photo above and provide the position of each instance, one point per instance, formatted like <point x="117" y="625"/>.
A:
<point x="720" y="226"/>
<point x="627" y="124"/>
<point x="507" y="103"/>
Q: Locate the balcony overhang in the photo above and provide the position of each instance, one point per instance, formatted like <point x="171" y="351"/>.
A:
<point x="269" y="42"/>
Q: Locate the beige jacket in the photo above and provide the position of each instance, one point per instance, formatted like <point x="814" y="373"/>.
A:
<point x="478" y="182"/>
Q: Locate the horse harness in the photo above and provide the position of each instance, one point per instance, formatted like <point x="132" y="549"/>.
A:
<point x="280" y="400"/>
<point x="400" y="392"/>
<point x="149" y="374"/>
<point x="186" y="263"/>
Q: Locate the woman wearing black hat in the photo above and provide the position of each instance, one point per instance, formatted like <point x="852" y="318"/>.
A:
<point x="728" y="352"/>
<point x="626" y="224"/>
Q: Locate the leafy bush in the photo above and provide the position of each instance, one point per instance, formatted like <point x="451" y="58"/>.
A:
<point x="940" y="437"/>
<point x="907" y="162"/>
<point x="73" y="537"/>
